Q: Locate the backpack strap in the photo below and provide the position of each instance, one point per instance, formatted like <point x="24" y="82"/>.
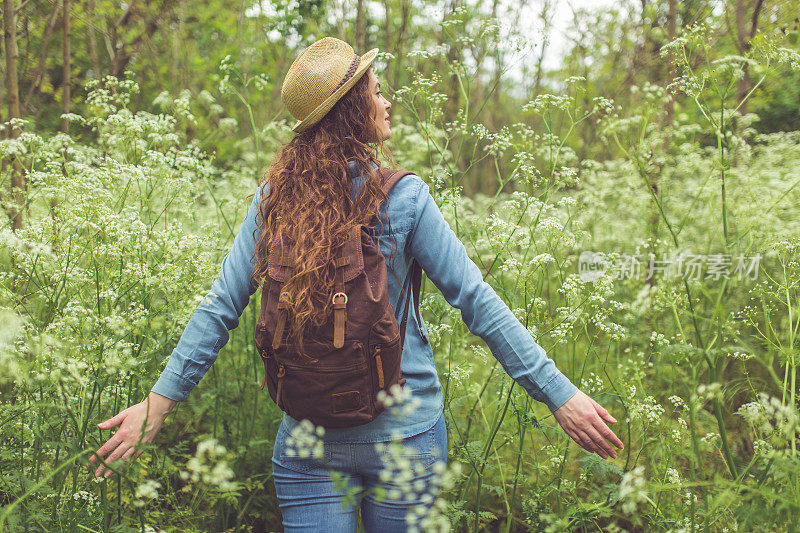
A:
<point x="416" y="285"/>
<point x="390" y="177"/>
<point x="340" y="307"/>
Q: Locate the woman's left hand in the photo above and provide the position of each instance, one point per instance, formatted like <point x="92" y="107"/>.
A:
<point x="583" y="420"/>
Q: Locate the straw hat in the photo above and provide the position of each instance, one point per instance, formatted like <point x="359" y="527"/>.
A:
<point x="319" y="77"/>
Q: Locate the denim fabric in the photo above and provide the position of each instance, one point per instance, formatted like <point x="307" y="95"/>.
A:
<point x="384" y="483"/>
<point x="421" y="232"/>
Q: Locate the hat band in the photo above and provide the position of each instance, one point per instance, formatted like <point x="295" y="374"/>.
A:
<point x="352" y="70"/>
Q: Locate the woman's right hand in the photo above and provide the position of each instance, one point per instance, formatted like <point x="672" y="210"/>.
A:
<point x="138" y="423"/>
<point x="584" y="420"/>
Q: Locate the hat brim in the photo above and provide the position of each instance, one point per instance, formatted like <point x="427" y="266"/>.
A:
<point x="324" y="107"/>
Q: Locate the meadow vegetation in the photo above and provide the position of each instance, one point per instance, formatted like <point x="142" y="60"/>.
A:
<point x="649" y="241"/>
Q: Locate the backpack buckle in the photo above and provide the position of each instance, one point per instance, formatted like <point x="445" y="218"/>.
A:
<point x="339" y="318"/>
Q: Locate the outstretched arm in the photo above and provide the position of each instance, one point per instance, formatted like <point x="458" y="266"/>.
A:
<point x="207" y="330"/>
<point x="204" y="335"/>
<point x="445" y="261"/>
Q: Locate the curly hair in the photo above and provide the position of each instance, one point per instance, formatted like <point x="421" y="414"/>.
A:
<point x="309" y="202"/>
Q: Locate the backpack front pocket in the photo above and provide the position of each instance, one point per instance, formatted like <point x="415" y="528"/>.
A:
<point x="327" y="396"/>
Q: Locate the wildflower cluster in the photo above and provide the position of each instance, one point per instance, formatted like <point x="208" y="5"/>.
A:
<point x="110" y="93"/>
<point x="89" y="498"/>
<point x="305" y="440"/>
<point x="437" y="517"/>
<point x="145" y="491"/>
<point x="632" y="489"/>
<point x="647" y="410"/>
<point x="711" y="439"/>
<point x="210" y="466"/>
<point x="603" y="105"/>
<point x="499" y="231"/>
<point x="709" y="391"/>
<point x="742" y="356"/>
<point x="403" y="463"/>
<point x="776" y="422"/>
<point x="525" y="169"/>
<point x="399" y="399"/>
<point x="649" y="92"/>
<point x="544" y="102"/>
<point x="482" y="355"/>
<point x="678" y="402"/>
<point x="459" y="374"/>
<point x="592" y="384"/>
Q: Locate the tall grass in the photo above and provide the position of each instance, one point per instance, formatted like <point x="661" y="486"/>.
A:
<point x="126" y="224"/>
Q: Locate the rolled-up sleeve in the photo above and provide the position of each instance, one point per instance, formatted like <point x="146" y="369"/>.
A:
<point x="444" y="259"/>
<point x="207" y="330"/>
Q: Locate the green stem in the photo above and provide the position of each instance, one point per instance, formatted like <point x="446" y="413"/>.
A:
<point x="495" y="429"/>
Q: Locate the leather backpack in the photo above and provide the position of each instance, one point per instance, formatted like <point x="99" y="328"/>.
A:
<point x="356" y="354"/>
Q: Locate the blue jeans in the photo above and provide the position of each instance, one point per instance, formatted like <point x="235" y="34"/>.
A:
<point x="382" y="480"/>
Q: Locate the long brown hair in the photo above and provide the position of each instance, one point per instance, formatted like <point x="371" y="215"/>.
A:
<point x="309" y="201"/>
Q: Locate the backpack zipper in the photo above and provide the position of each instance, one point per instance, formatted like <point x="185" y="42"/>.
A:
<point x="323" y="369"/>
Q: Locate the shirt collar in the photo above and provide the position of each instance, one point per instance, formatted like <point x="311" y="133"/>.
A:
<point x="353" y="170"/>
<point x="357" y="178"/>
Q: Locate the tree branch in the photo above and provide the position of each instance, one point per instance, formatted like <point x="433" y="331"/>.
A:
<point x="38" y="73"/>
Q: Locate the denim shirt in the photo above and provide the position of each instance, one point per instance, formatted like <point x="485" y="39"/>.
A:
<point x="422" y="233"/>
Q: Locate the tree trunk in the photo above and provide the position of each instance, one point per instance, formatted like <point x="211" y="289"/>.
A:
<point x="387" y="40"/>
<point x="175" y="61"/>
<point x="495" y="83"/>
<point x="12" y="90"/>
<point x="341" y="19"/>
<point x="669" y="105"/>
<point x="399" y="47"/>
<point x="121" y="52"/>
<point x="3" y="133"/>
<point x="93" y="44"/>
<point x="66" y="93"/>
<point x="544" y="16"/>
<point x="453" y="103"/>
<point x="743" y="46"/>
<point x="360" y="24"/>
<point x="39" y="71"/>
<point x="66" y="96"/>
<point x="743" y="38"/>
<point x="2" y="100"/>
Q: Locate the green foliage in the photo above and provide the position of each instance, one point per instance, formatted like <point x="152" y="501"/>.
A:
<point x="127" y="218"/>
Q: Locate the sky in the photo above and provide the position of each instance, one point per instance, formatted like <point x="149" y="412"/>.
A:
<point x="562" y="18"/>
<point x="558" y="45"/>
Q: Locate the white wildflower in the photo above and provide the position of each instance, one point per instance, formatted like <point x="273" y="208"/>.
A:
<point x="631" y="489"/>
<point x="146" y="490"/>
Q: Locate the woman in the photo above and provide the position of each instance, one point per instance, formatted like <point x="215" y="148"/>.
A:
<point x="323" y="179"/>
